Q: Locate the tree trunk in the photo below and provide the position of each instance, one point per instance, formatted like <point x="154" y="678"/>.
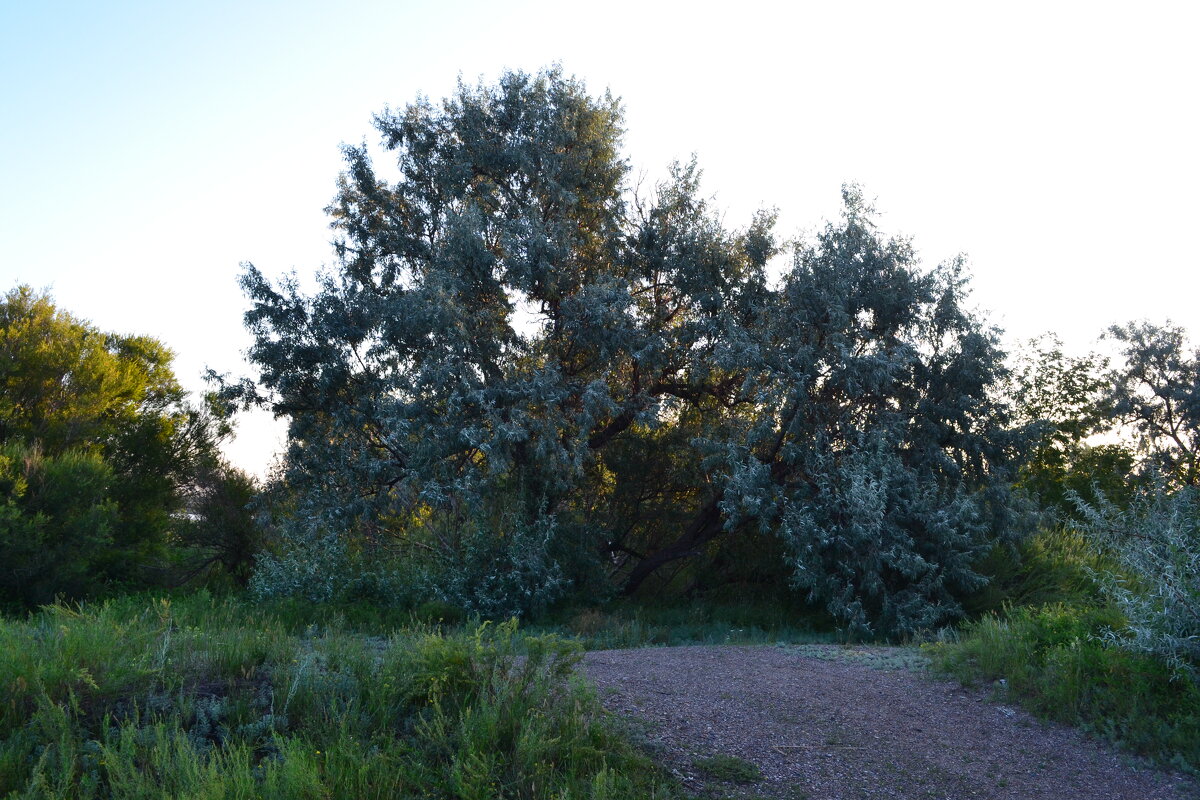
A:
<point x="707" y="526"/>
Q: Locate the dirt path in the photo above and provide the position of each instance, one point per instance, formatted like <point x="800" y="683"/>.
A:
<point x="830" y="723"/>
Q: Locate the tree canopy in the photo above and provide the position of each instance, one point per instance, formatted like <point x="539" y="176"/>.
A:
<point x="1156" y="391"/>
<point x="524" y="367"/>
<point x="98" y="448"/>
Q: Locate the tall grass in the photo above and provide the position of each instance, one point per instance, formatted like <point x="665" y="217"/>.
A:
<point x="1048" y="643"/>
<point x="205" y="697"/>
<point x="1053" y="661"/>
<point x="1056" y="565"/>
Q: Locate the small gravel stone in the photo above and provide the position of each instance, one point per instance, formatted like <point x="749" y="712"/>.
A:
<point x="828" y="723"/>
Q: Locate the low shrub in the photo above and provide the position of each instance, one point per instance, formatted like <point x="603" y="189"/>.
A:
<point x="1156" y="542"/>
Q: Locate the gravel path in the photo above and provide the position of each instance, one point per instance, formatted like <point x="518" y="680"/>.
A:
<point x="827" y="723"/>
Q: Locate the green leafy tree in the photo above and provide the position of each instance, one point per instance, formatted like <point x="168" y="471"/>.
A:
<point x="1066" y="400"/>
<point x="1156" y="391"/>
<point x="91" y="403"/>
<point x="526" y="369"/>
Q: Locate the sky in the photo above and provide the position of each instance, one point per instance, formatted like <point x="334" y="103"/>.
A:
<point x="147" y="149"/>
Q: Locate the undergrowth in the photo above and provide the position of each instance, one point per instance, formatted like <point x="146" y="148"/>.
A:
<point x="205" y="697"/>
<point x="631" y="624"/>
<point x="1058" y="655"/>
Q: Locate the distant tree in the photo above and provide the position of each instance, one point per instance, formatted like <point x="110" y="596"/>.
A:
<point x="82" y="404"/>
<point x="1066" y="401"/>
<point x="529" y="371"/>
<point x="1157" y="392"/>
<point x="220" y="533"/>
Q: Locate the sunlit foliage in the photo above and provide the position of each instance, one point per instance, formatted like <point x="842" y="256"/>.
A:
<point x="99" y="445"/>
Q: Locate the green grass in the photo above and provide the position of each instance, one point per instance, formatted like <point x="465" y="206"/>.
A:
<point x="208" y="697"/>
<point x="1055" y="565"/>
<point x="1052" y="661"/>
<point x="728" y="769"/>
<point x="630" y="624"/>
<point x="1040" y="643"/>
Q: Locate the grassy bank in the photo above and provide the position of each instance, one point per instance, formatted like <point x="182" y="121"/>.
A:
<point x="1051" y="660"/>
<point x="203" y="697"/>
<point x="631" y="624"/>
<point x="1050" y="649"/>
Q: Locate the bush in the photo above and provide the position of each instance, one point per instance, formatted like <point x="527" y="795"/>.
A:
<point x="311" y="564"/>
<point x="57" y="520"/>
<point x="505" y="573"/>
<point x="1156" y="542"/>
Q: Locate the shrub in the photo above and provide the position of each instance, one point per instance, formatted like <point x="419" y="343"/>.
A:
<point x="505" y="573"/>
<point x="57" y="519"/>
<point x="1156" y="542"/>
<point x="309" y="563"/>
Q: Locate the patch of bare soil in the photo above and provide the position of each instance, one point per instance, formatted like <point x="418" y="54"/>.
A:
<point x="833" y="723"/>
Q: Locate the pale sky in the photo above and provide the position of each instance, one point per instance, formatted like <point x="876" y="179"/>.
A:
<point x="146" y="149"/>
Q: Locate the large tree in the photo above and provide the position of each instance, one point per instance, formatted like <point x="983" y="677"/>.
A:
<point x="523" y="366"/>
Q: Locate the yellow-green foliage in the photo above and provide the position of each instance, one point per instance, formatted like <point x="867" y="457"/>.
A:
<point x="1054" y="565"/>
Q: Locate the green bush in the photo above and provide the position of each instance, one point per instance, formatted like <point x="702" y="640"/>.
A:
<point x="1156" y="543"/>
<point x="57" y="520"/>
<point x="99" y="444"/>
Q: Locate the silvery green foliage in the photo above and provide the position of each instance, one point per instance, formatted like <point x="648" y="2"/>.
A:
<point x="498" y="314"/>
<point x="879" y="453"/>
<point x="883" y="549"/>
<point x="503" y="573"/>
<point x="1157" y="543"/>
<point x="1157" y="391"/>
<point x="313" y="565"/>
<point x="508" y="308"/>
